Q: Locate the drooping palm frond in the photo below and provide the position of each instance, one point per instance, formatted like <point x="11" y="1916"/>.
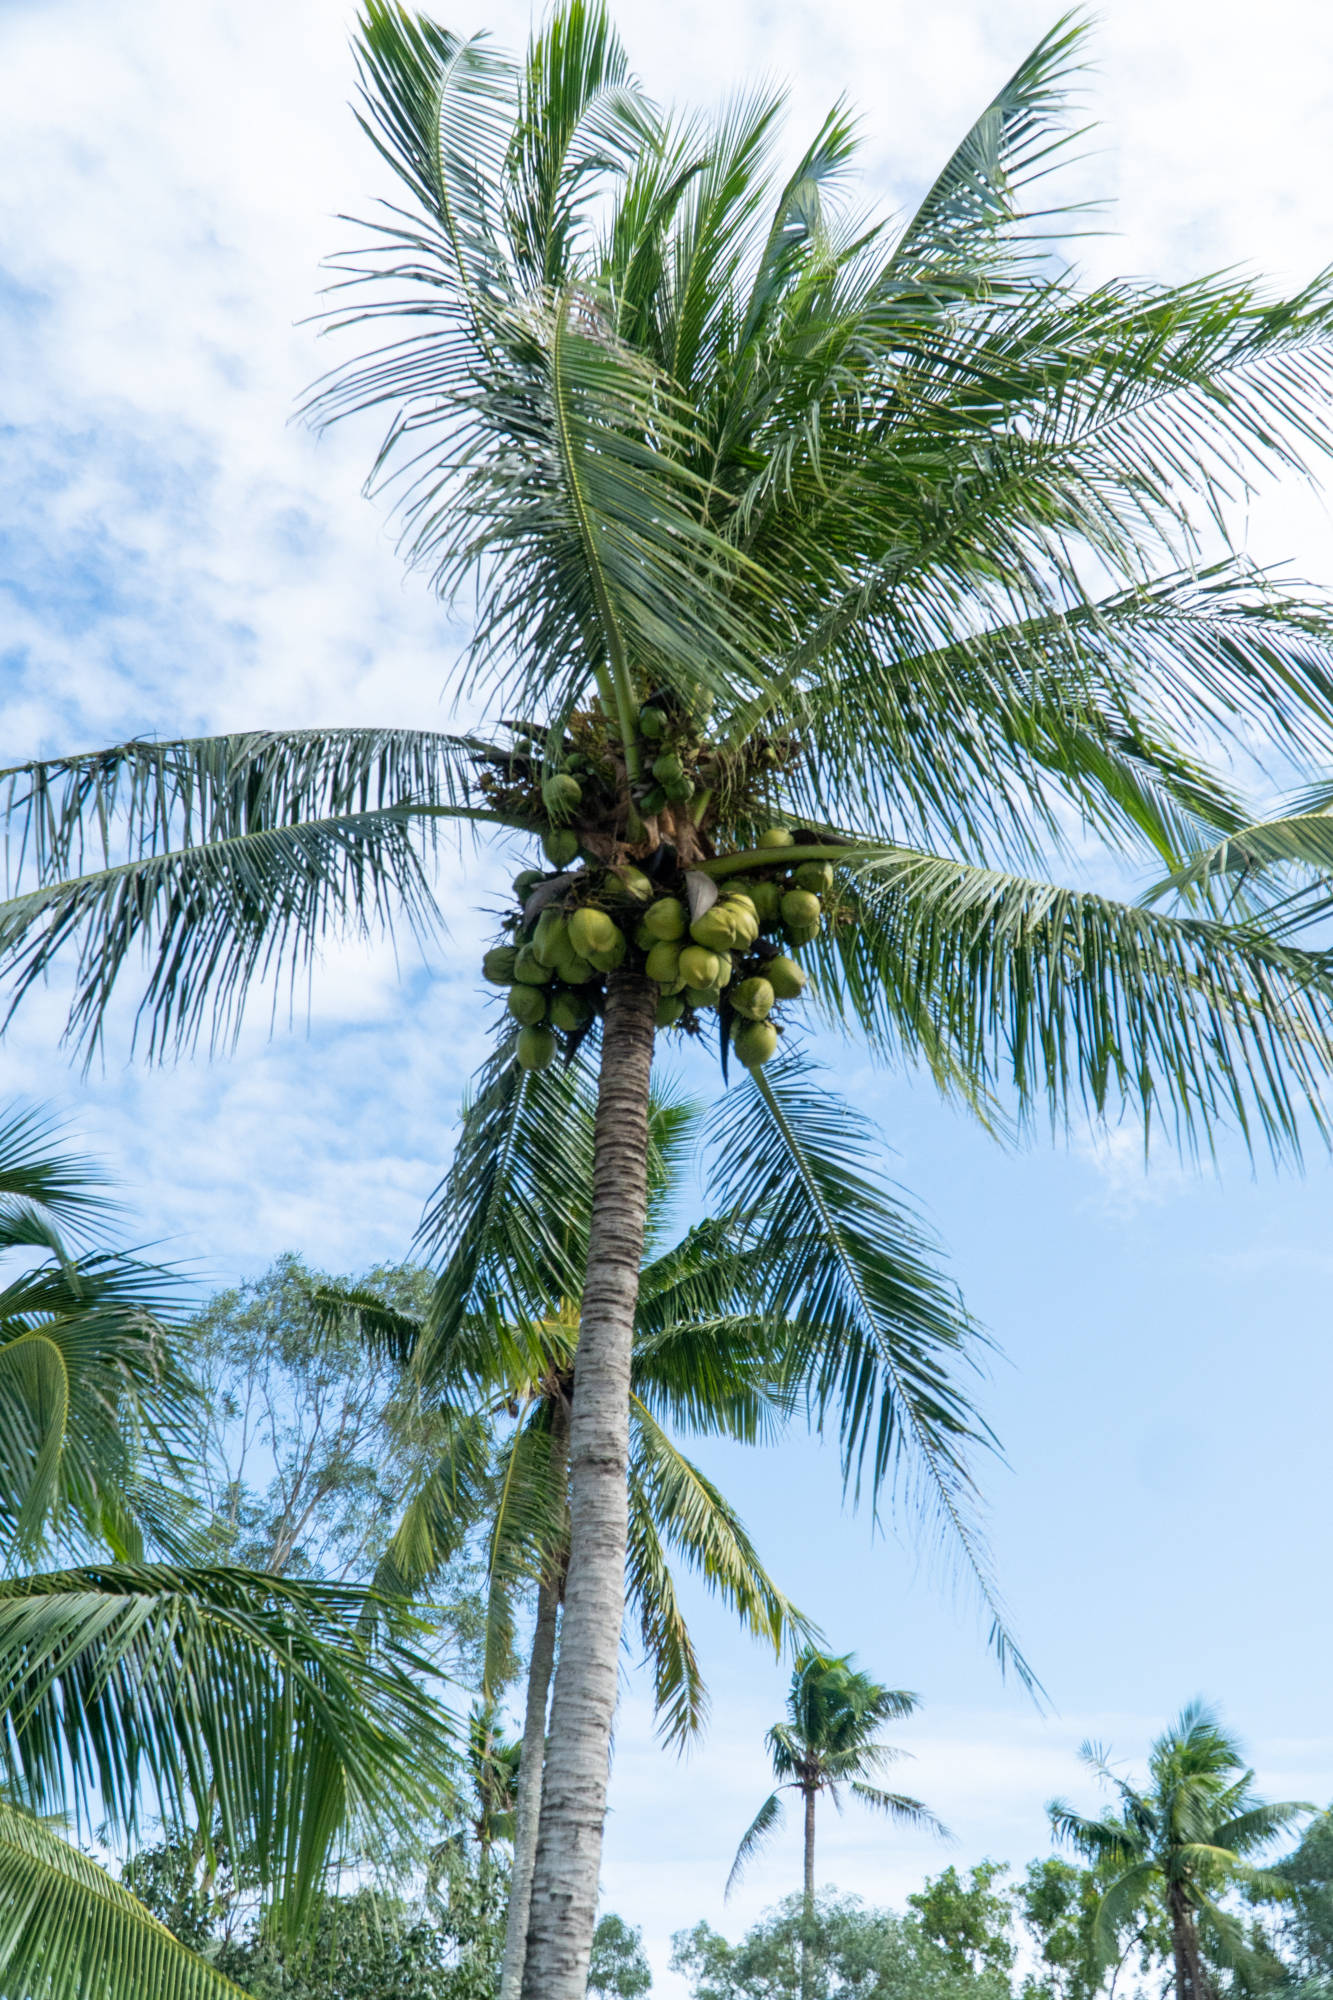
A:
<point x="203" y="1692"/>
<point x="1070" y="1000"/>
<point x="225" y="862"/>
<point x="897" y="1806"/>
<point x="69" y="1931"/>
<point x="46" y="1195"/>
<point x="675" y="1505"/>
<point x="879" y="1335"/>
<point x="765" y="1823"/>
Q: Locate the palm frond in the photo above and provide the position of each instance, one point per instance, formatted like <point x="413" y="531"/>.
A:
<point x="194" y="1692"/>
<point x="765" y="1823"/>
<point x="69" y="1931"/>
<point x="901" y="1809"/>
<point x="882" y="1336"/>
<point x="225" y="862"/>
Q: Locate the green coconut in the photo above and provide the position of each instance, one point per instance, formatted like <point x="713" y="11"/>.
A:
<point x="717" y="929"/>
<point x="786" y="977"/>
<point x="529" y="970"/>
<point x="652" y="724"/>
<point x="570" y="1011"/>
<point x="800" y="908"/>
<point x="527" y="1004"/>
<point x="550" y="940"/>
<point x="607" y="961"/>
<point x="536" y="1047"/>
<point x="653" y="801"/>
<point x="817" y="876"/>
<point x="754" y="999"/>
<point x="498" y="964"/>
<point x="699" y="967"/>
<point x="635" y="883"/>
<point x="701" y="997"/>
<point x="755" y="1042"/>
<point x="525" y="882"/>
<point x="744" y="919"/>
<point x="723" y="969"/>
<point x="665" y="920"/>
<point x="560" y="846"/>
<point x="669" y="1009"/>
<point x="767" y="899"/>
<point x="572" y="971"/>
<point x="801" y="934"/>
<point x="560" y="794"/>
<point x="663" y="963"/>
<point x="680" y="791"/>
<point x="591" y="931"/>
<point x="667" y="768"/>
<point x="775" y="836"/>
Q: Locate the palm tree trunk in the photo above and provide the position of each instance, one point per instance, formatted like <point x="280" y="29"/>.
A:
<point x="569" y="1844"/>
<point x="1191" y="1984"/>
<point x="808" y="1900"/>
<point x="529" y="1804"/>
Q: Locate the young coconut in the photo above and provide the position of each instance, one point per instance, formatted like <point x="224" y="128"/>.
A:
<point x="816" y="876"/>
<point x="800" y="909"/>
<point x="536" y="1047"/>
<point x="570" y="1011"/>
<point x="669" y="1009"/>
<point x="698" y="967"/>
<point x="663" y="964"/>
<point x="560" y="795"/>
<point x="498" y="964"/>
<point x="786" y="977"/>
<point x="667" y="919"/>
<point x="717" y="929"/>
<point x="776" y="836"/>
<point x="652" y="724"/>
<point x="592" y="931"/>
<point x="529" y="970"/>
<point x="560" y="846"/>
<point x="754" y="999"/>
<point x="525" y="882"/>
<point x="527" y="1004"/>
<point x="754" y="1042"/>
<point x="767" y="900"/>
<point x="703" y="997"/>
<point x="550" y="940"/>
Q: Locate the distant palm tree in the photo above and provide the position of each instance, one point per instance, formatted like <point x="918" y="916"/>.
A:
<point x="826" y="1742"/>
<point x="1189" y="1836"/>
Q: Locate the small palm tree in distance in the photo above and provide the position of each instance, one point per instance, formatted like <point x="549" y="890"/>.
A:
<point x="828" y="1741"/>
<point x="1189" y="1837"/>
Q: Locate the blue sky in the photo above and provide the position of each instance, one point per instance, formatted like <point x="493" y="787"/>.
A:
<point x="175" y="554"/>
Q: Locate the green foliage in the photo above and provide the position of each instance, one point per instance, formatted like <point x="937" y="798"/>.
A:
<point x="968" y="1920"/>
<point x="618" y="1969"/>
<point x="372" y="1946"/>
<point x="854" y="1953"/>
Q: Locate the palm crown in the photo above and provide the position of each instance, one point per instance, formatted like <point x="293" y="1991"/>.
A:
<point x="827" y="1741"/>
<point x="1190" y="1836"/>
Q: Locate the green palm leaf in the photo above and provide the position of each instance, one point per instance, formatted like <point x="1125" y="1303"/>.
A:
<point x="191" y="1692"/>
<point x="70" y="1932"/>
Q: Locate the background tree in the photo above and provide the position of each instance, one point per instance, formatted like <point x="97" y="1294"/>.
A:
<point x="827" y="1742"/>
<point x="825" y="501"/>
<point x="618" y="1970"/>
<point x="971" y="1922"/>
<point x="135" y="1686"/>
<point x="1189" y="1836"/>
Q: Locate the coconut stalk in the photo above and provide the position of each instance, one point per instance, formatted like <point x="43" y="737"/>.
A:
<point x="573" y="1809"/>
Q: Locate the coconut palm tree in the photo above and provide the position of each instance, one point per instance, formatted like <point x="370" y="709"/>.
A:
<point x="827" y="1742"/>
<point x="135" y="1687"/>
<point x="711" y="1355"/>
<point x="790" y="528"/>
<point x="1189" y="1837"/>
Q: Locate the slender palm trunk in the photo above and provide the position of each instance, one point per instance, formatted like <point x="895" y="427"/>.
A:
<point x="528" y="1810"/>
<point x="569" y="1845"/>
<point x="1191" y="1984"/>
<point x="808" y="1901"/>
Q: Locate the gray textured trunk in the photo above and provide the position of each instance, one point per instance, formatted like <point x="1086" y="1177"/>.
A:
<point x="808" y="1900"/>
<point x="569" y="1845"/>
<point x="528" y="1812"/>
<point x="1191" y="1980"/>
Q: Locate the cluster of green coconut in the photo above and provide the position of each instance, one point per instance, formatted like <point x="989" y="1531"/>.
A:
<point x="728" y="958"/>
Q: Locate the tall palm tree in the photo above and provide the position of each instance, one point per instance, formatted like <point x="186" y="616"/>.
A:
<point x="1189" y="1836"/>
<point x="711" y="1355"/>
<point x="828" y="1741"/>
<point x="784" y="521"/>
<point x="136" y="1687"/>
